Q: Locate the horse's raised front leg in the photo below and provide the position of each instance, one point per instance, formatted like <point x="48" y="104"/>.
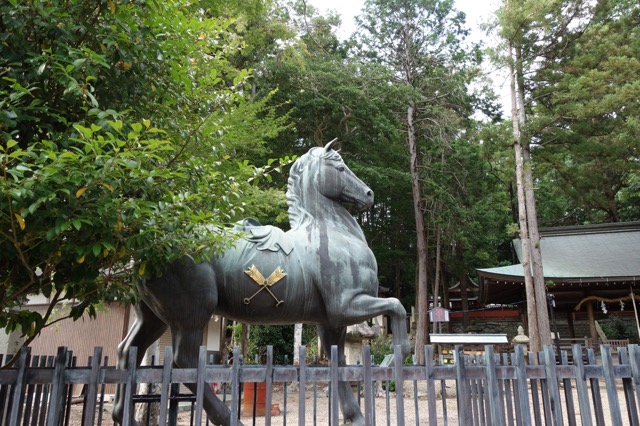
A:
<point x="348" y="403"/>
<point x="146" y="329"/>
<point x="365" y="307"/>
<point x="186" y="343"/>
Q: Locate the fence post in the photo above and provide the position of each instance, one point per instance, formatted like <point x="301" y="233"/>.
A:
<point x="18" y="387"/>
<point x="130" y="386"/>
<point x="235" y="386"/>
<point x="165" y="389"/>
<point x="634" y="361"/>
<point x="581" y="385"/>
<point x="269" y="384"/>
<point x="610" y="382"/>
<point x="552" y="385"/>
<point x="369" y="402"/>
<point x="462" y="389"/>
<point x="202" y="363"/>
<point x="398" y="376"/>
<point x="92" y="388"/>
<point x="431" y="386"/>
<point x="595" y="390"/>
<point x="627" y="385"/>
<point x="524" y="415"/>
<point x="496" y="411"/>
<point x="568" y="392"/>
<point x="302" y="386"/>
<point x="333" y="374"/>
<point x="507" y="393"/>
<point x="57" y="388"/>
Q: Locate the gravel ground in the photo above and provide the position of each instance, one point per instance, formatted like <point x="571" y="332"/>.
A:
<point x="287" y="414"/>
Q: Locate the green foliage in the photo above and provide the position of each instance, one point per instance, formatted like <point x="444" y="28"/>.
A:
<point x="585" y="118"/>
<point x="581" y="66"/>
<point x="380" y="347"/>
<point x="81" y="223"/>
<point x="92" y="194"/>
<point x="278" y="336"/>
<point x="616" y="327"/>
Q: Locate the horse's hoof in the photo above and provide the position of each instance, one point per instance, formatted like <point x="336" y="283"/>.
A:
<point x="356" y="422"/>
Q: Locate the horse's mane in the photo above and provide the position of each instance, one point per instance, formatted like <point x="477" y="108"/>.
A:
<point x="298" y="215"/>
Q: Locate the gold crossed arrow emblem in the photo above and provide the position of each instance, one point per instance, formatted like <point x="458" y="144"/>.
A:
<point x="265" y="283"/>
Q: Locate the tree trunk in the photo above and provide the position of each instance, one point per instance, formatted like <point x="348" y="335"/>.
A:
<point x="532" y="312"/>
<point x="397" y="279"/>
<point x="445" y="297"/>
<point x="462" y="277"/>
<point x="531" y="212"/>
<point x="244" y="337"/>
<point x="422" y="329"/>
<point x="536" y="259"/>
<point x="437" y="278"/>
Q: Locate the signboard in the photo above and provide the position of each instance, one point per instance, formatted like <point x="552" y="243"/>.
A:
<point x="439" y="315"/>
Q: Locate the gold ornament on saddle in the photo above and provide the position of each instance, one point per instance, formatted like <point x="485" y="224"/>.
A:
<point x="265" y="283"/>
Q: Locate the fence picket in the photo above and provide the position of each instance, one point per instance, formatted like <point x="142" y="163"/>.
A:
<point x="51" y="360"/>
<point x="481" y="386"/>
<point x="333" y="388"/>
<point x="369" y="401"/>
<point x="595" y="391"/>
<point x="399" y="378"/>
<point x="130" y="387"/>
<point x="568" y="394"/>
<point x="544" y="390"/>
<point x="496" y="412"/>
<point x="581" y="386"/>
<point x="552" y="385"/>
<point x="17" y="391"/>
<point x="91" y="388"/>
<point x="627" y="386"/>
<point x="102" y="391"/>
<point x="39" y="390"/>
<point x="269" y="383"/>
<point x="235" y="387"/>
<point x="506" y="394"/>
<point x="610" y="384"/>
<point x="30" y="395"/>
<point x="535" y="395"/>
<point x="462" y="389"/>
<point x="431" y="386"/>
<point x="524" y="414"/>
<point x="56" y="398"/>
<point x="165" y="387"/>
<point x="634" y="361"/>
<point x="202" y="357"/>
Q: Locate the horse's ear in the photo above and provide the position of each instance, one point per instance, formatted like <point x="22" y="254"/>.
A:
<point x="328" y="147"/>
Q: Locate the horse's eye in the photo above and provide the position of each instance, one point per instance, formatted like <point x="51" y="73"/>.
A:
<point x="341" y="169"/>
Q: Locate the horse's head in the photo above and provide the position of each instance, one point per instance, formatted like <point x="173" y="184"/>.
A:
<point x="337" y="182"/>
<point x="322" y="171"/>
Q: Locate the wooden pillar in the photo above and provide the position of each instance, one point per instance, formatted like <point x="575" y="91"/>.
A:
<point x="572" y="330"/>
<point x="592" y="323"/>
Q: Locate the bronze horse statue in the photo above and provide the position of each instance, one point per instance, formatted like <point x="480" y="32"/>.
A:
<point x="321" y="272"/>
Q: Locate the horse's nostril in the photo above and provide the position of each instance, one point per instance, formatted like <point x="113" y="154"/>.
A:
<point x="369" y="193"/>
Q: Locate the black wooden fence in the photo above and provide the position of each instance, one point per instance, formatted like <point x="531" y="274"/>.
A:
<point x="490" y="389"/>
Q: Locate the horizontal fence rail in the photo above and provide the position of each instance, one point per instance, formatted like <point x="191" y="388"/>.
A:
<point x="575" y="388"/>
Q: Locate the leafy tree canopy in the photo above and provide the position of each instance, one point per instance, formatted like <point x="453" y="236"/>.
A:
<point x="125" y="131"/>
